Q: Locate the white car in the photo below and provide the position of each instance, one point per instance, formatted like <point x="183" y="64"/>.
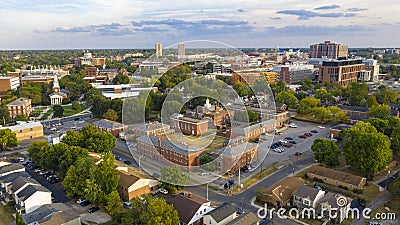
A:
<point x="164" y="191"/>
<point x="283" y="141"/>
<point x="293" y="126"/>
<point x="321" y="127"/>
<point x="80" y="200"/>
<point x="204" y="173"/>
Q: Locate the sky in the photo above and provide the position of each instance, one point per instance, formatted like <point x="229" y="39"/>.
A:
<point x="76" y="24"/>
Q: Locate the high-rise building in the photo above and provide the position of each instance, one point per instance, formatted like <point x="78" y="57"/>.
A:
<point x="292" y="74"/>
<point x="329" y="49"/>
<point x="181" y="49"/>
<point x="341" y="71"/>
<point x="158" y="49"/>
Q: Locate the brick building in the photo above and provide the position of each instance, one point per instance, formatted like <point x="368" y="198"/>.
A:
<point x="8" y="83"/>
<point x="131" y="186"/>
<point x="153" y="128"/>
<point x="21" y="106"/>
<point x="329" y="49"/>
<point x="292" y="74"/>
<point x="190" y="126"/>
<point x="340" y="71"/>
<point x="250" y="77"/>
<point x="166" y="151"/>
<point x="115" y="128"/>
<point x="235" y="157"/>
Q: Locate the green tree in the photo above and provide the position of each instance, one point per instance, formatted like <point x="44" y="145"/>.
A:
<point x="247" y="116"/>
<point x="111" y="115"/>
<point x="358" y="93"/>
<point x="381" y="125"/>
<point x="4" y="115"/>
<point x="58" y="110"/>
<point x="386" y="95"/>
<point x="121" y="79"/>
<point x="76" y="106"/>
<point x="395" y="187"/>
<point x="148" y="211"/>
<point x="321" y="113"/>
<point x="371" y="101"/>
<point x="379" y="111"/>
<point x="288" y="98"/>
<point x="326" y="151"/>
<point x="365" y="148"/>
<point x="307" y="104"/>
<point x="337" y="114"/>
<point x="173" y="177"/>
<point x="18" y="219"/>
<point x="306" y="84"/>
<point x="21" y="117"/>
<point x="241" y="89"/>
<point x="75" y="182"/>
<point x="112" y="202"/>
<point x="278" y="87"/>
<point x="7" y="139"/>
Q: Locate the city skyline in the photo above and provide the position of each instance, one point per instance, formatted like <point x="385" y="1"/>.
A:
<point x="140" y="24"/>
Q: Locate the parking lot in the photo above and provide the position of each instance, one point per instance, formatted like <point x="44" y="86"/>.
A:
<point x="303" y="145"/>
<point x="62" y="127"/>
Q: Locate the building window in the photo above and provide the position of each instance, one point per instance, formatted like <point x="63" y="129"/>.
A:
<point x="306" y="202"/>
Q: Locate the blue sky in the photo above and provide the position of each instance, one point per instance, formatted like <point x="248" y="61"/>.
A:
<point x="55" y="24"/>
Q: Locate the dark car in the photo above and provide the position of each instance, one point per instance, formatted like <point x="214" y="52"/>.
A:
<point x="303" y="136"/>
<point x="127" y="162"/>
<point x="288" y="138"/>
<point x="287" y="145"/>
<point x="54" y="180"/>
<point x="245" y="169"/>
<point x="308" y="134"/>
<point x="84" y="203"/>
<point x="293" y="142"/>
<point x="93" y="209"/>
<point x="314" y="131"/>
<point x="297" y="154"/>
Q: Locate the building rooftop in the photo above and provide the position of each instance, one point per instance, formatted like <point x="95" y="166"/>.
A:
<point x="222" y="211"/>
<point x="30" y="190"/>
<point x="11" y="167"/>
<point x="19" y="102"/>
<point x="23" y="126"/>
<point x="245" y="219"/>
<point x="20" y="182"/>
<point x="187" y="206"/>
<point x="335" y="175"/>
<point x="304" y="191"/>
<point x="108" y="124"/>
<point x="172" y="146"/>
<point x="151" y="126"/>
<point x="126" y="180"/>
<point x="13" y="176"/>
<point x="236" y="150"/>
<point x="44" y="212"/>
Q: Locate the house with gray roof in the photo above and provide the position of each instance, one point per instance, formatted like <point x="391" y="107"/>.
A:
<point x="32" y="197"/>
<point x="8" y="179"/>
<point x="221" y="215"/>
<point x="11" y="168"/>
<point x="115" y="128"/>
<point x="306" y="197"/>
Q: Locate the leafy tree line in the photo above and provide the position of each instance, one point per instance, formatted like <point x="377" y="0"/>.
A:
<point x="7" y="139"/>
<point x="103" y="107"/>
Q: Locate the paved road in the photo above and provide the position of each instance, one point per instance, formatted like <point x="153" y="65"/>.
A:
<point x="58" y="193"/>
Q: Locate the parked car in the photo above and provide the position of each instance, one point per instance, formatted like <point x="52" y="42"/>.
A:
<point x="283" y="141"/>
<point x="293" y="142"/>
<point x="318" y="187"/>
<point x="84" y="203"/>
<point x="119" y="158"/>
<point x="278" y="133"/>
<point x="303" y="136"/>
<point x="321" y="127"/>
<point x="163" y="191"/>
<point x="127" y="205"/>
<point x="204" y="173"/>
<point x="38" y="170"/>
<point x="297" y="153"/>
<point x="54" y="180"/>
<point x="293" y="126"/>
<point x="245" y="169"/>
<point x="44" y="172"/>
<point x="127" y="162"/>
<point x="80" y="200"/>
<point x="93" y="209"/>
<point x="287" y="145"/>
<point x="308" y="134"/>
<point x="289" y="138"/>
<point x="314" y="131"/>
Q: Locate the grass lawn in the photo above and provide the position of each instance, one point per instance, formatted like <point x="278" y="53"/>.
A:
<point x="47" y="114"/>
<point x="6" y="216"/>
<point x="38" y="110"/>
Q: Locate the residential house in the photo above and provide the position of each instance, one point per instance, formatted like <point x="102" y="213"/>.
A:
<point x="245" y="219"/>
<point x="32" y="197"/>
<point x="221" y="215"/>
<point x="50" y="214"/>
<point x="11" y="168"/>
<point x="27" y="131"/>
<point x="306" y="197"/>
<point x="329" y="204"/>
<point x="280" y="194"/>
<point x="115" y="128"/>
<point x="336" y="178"/>
<point x="18" y="185"/>
<point x="191" y="208"/>
<point x="8" y="179"/>
<point x="131" y="186"/>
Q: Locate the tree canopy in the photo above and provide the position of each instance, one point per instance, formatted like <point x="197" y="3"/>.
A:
<point x="326" y="151"/>
<point x="7" y="139"/>
<point x="365" y="148"/>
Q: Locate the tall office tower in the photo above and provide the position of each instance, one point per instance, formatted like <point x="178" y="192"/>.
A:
<point x="158" y="49"/>
<point x="181" y="49"/>
<point x="329" y="49"/>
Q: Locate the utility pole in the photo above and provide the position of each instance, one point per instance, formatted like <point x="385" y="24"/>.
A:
<point x="207" y="191"/>
<point x="239" y="177"/>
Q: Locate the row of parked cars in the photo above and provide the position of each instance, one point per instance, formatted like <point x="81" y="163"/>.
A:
<point x="84" y="202"/>
<point x="50" y="177"/>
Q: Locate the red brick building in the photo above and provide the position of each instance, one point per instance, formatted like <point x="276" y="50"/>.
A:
<point x="190" y="126"/>
<point x="115" y="128"/>
<point x="235" y="157"/>
<point x="21" y="106"/>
